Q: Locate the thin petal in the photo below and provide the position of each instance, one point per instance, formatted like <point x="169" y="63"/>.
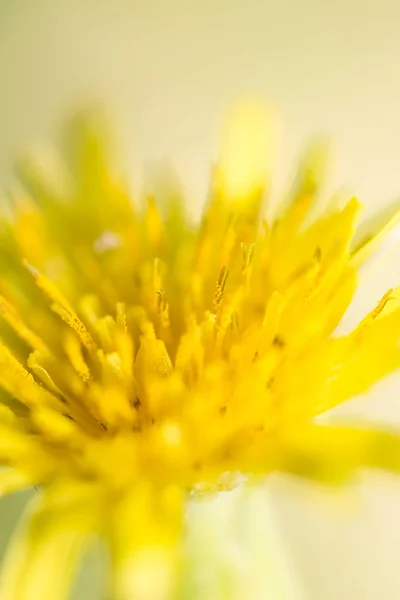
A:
<point x="333" y="453"/>
<point x="364" y="357"/>
<point x="327" y="453"/>
<point x="144" y="540"/>
<point x="44" y="554"/>
<point x="13" y="481"/>
<point x="373" y="232"/>
<point x="248" y="147"/>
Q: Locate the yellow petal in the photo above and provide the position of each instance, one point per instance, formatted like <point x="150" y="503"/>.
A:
<point x="43" y="556"/>
<point x="373" y="232"/>
<point x="332" y="453"/>
<point x="247" y="150"/>
<point x="13" y="481"/>
<point x="145" y="536"/>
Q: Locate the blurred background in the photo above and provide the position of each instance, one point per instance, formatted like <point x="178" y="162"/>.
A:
<point x="167" y="70"/>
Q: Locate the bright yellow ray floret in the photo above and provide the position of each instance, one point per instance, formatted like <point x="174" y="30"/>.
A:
<point x="144" y="357"/>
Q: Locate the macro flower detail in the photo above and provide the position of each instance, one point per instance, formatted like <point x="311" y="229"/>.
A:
<point x="146" y="358"/>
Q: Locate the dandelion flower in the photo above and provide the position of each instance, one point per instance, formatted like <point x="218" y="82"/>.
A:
<point x="144" y="358"/>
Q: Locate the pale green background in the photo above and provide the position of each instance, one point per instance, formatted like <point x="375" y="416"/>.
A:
<point x="167" y="69"/>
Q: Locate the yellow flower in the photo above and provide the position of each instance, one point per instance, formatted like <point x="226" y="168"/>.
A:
<point x="145" y="358"/>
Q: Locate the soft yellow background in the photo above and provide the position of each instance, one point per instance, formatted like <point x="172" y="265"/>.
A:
<point x="167" y="69"/>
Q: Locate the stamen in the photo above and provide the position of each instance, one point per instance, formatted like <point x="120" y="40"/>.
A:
<point x="61" y="306"/>
<point x="9" y="314"/>
<point x="221" y="283"/>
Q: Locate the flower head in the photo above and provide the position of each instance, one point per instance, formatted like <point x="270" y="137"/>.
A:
<point x="145" y="358"/>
